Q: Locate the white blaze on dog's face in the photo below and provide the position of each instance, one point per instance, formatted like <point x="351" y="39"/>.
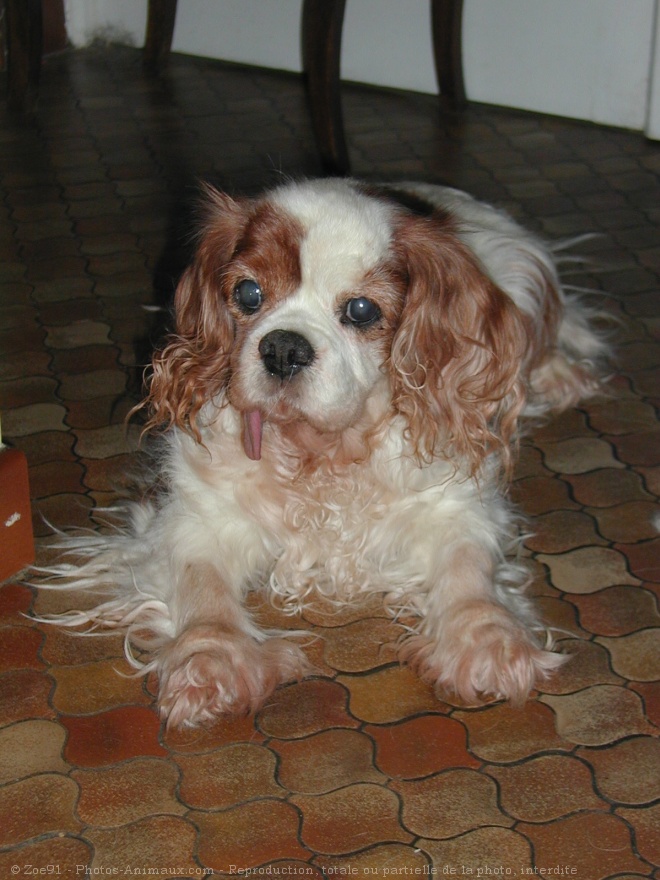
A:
<point x="315" y="303"/>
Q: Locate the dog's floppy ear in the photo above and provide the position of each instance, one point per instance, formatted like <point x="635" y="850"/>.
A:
<point x="457" y="355"/>
<point x="193" y="366"/>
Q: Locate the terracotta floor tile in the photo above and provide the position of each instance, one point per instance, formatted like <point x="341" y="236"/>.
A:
<point x="24" y="693"/>
<point x="644" y="821"/>
<point x="54" y="601"/>
<point x="606" y="487"/>
<point x="621" y="416"/>
<point x="60" y="312"/>
<point x="638" y="449"/>
<point x="421" y="746"/>
<point x="131" y="791"/>
<point x="110" y="474"/>
<point x="538" y="495"/>
<point x="15" y="602"/>
<point x="497" y="850"/>
<point x="20" y="648"/>
<point x="78" y="334"/>
<point x="228" y="776"/>
<point x="31" y="747"/>
<point x="362" y="645"/>
<point x="56" y="478"/>
<point x="26" y="391"/>
<point x="651" y="478"/>
<point x="85" y="359"/>
<point x="530" y="463"/>
<point x="96" y="687"/>
<point x="112" y="736"/>
<point x="627" y="523"/>
<point x="589" y="664"/>
<point x="502" y="734"/>
<point x="65" y="648"/>
<point x="390" y="694"/>
<point x="598" y="715"/>
<point x="39" y="805"/>
<point x="33" y="419"/>
<point x="597" y="845"/>
<point x="24" y="363"/>
<point x="617" y="769"/>
<point x="62" y="511"/>
<point x="545" y="788"/>
<point x="249" y="835"/>
<point x="450" y="803"/>
<point x="644" y="559"/>
<point x="562" y="530"/>
<point x="650" y="693"/>
<point x="588" y="569"/>
<point x="106" y="442"/>
<point x="98" y="383"/>
<point x="162" y="844"/>
<point x="305" y="708"/>
<point x="351" y="818"/>
<point x="98" y="413"/>
<point x="617" y="611"/>
<point x="578" y="455"/>
<point x="326" y="761"/>
<point x="558" y="614"/>
<point x="635" y="656"/>
<point x="48" y="446"/>
<point x="68" y="853"/>
<point x="205" y="739"/>
<point x="571" y="423"/>
<point x="323" y="613"/>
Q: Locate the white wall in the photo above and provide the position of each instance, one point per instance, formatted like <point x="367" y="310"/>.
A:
<point x="652" y="127"/>
<point x="587" y="59"/>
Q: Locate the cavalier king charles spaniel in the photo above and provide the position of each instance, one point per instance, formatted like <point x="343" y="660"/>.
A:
<point x="339" y="406"/>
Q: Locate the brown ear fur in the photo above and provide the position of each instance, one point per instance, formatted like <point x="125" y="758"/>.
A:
<point x="457" y="355"/>
<point x="193" y="366"/>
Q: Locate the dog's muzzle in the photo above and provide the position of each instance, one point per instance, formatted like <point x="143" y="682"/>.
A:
<point x="285" y="353"/>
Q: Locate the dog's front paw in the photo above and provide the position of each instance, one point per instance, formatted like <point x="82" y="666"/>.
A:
<point x="206" y="673"/>
<point x="483" y="652"/>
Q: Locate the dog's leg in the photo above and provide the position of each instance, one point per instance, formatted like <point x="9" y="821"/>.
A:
<point x="469" y="642"/>
<point x="219" y="662"/>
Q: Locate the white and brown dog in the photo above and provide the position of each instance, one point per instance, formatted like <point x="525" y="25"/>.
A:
<point x="342" y="397"/>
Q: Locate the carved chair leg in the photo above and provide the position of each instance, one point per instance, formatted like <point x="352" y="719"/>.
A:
<point x="160" y="30"/>
<point x="24" y="50"/>
<point x="446" y="24"/>
<point x="322" y="22"/>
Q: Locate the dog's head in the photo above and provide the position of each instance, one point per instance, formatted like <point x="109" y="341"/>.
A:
<point x="303" y="304"/>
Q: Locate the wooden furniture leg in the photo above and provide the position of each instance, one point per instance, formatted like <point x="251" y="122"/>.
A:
<point x="24" y="50"/>
<point x="446" y="26"/>
<point x="321" y="32"/>
<point x="160" y="30"/>
<point x="321" y="29"/>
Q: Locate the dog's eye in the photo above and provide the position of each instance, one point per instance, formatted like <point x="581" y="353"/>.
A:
<point x="248" y="295"/>
<point x="361" y="311"/>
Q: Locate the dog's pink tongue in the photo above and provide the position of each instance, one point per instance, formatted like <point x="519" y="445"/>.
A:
<point x="252" y="427"/>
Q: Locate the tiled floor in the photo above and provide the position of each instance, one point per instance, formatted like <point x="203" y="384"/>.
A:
<point x="361" y="769"/>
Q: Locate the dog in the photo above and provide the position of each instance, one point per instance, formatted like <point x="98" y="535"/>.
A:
<point x="338" y="410"/>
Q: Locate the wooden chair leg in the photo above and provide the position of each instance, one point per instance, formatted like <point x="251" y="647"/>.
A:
<point x="446" y="24"/>
<point x="322" y="22"/>
<point x="160" y="30"/>
<point x="24" y="50"/>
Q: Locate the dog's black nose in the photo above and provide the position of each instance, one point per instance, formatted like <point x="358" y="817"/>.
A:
<point x="285" y="353"/>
